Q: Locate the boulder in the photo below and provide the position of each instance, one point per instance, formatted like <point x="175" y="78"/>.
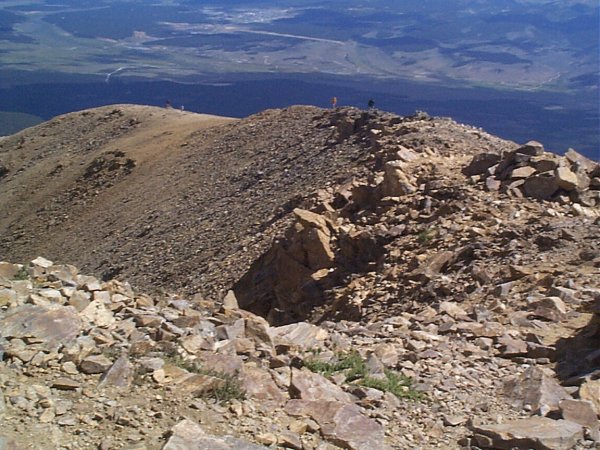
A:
<point x="532" y="148"/>
<point x="307" y="385"/>
<point x="579" y="411"/>
<point x="120" y="374"/>
<point x="535" y="390"/>
<point x="188" y="435"/>
<point x="95" y="364"/>
<point x="259" y="384"/>
<point x="52" y="326"/>
<point x="481" y="163"/>
<point x="590" y="390"/>
<point x="304" y="335"/>
<point x="342" y="424"/>
<point x="566" y="179"/>
<point x="542" y="186"/>
<point x="550" y="308"/>
<point x="535" y="433"/>
<point x="395" y="182"/>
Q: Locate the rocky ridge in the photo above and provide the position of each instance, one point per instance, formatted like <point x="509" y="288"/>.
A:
<point x="428" y="258"/>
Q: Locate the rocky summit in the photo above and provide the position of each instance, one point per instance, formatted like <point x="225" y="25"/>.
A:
<point x="298" y="279"/>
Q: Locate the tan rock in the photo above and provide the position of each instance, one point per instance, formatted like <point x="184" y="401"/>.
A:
<point x="230" y="301"/>
<point x="590" y="390"/>
<point x="8" y="271"/>
<point x="579" y="411"/>
<point x="395" y="182"/>
<point x="65" y="384"/>
<point x="95" y="364"/>
<point x="539" y="433"/>
<point x="302" y="334"/>
<point x="566" y="179"/>
<point x="550" y="308"/>
<point x="307" y="385"/>
<point x="98" y="314"/>
<point x="310" y="219"/>
<point x="523" y="172"/>
<point x="42" y="262"/>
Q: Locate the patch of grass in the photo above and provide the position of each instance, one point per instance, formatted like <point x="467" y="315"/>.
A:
<point x="230" y="390"/>
<point x="426" y="236"/>
<point x="22" y="274"/>
<point x="395" y="383"/>
<point x="350" y="362"/>
<point x="354" y="369"/>
<point x="179" y="361"/>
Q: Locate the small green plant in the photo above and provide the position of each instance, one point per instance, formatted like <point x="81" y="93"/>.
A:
<point x="231" y="389"/>
<point x="395" y="383"/>
<point x="22" y="274"/>
<point x="350" y="362"/>
<point x="182" y="363"/>
<point x="355" y="369"/>
<point x="426" y="236"/>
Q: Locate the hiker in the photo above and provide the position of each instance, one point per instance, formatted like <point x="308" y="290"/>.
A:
<point x="334" y="102"/>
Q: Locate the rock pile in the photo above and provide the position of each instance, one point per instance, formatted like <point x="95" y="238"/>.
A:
<point x="532" y="172"/>
<point x="91" y="364"/>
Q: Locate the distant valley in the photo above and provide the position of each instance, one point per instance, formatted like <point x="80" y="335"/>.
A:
<point x="520" y="69"/>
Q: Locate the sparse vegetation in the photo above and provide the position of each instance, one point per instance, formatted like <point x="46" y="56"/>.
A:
<point x="427" y="235"/>
<point x="395" y="383"/>
<point x="22" y="274"/>
<point x="354" y="368"/>
<point x="229" y="389"/>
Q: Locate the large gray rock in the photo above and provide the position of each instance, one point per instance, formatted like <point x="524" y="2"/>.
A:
<point x="342" y="424"/>
<point x="51" y="326"/>
<point x="535" y="390"/>
<point x="120" y="374"/>
<point x="188" y="435"/>
<point x="532" y="148"/>
<point x="481" y="163"/>
<point x="535" y="433"/>
<point x="541" y="187"/>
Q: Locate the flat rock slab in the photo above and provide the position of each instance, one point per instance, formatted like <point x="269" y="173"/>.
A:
<point x="536" y="433"/>
<point x="259" y="384"/>
<point x="305" y="335"/>
<point x="312" y="386"/>
<point x="188" y="435"/>
<point x="50" y="326"/>
<point x="342" y="424"/>
<point x="120" y="374"/>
